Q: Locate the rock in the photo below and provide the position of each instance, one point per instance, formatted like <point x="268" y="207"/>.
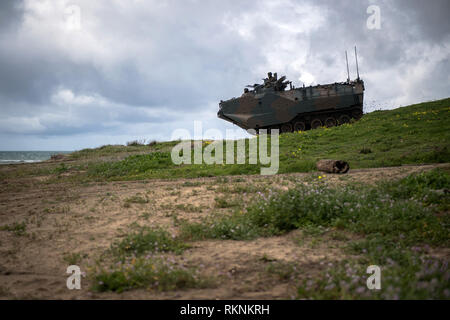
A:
<point x="332" y="166"/>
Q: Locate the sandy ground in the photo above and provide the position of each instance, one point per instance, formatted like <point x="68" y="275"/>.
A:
<point x="66" y="218"/>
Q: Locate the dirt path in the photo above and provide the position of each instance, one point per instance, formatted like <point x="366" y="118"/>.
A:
<point x="49" y="223"/>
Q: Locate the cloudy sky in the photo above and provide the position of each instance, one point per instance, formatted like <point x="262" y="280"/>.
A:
<point x="77" y="74"/>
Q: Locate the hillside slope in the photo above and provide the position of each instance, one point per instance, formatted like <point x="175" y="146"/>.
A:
<point x="415" y="134"/>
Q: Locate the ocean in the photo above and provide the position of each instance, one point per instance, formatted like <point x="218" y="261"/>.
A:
<point x="7" y="157"/>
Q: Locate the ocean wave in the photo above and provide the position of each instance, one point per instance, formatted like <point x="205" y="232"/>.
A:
<point x="2" y="161"/>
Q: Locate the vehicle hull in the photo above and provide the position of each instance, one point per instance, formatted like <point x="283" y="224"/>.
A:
<point x="271" y="109"/>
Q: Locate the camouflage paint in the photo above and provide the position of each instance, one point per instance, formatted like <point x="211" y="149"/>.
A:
<point x="270" y="107"/>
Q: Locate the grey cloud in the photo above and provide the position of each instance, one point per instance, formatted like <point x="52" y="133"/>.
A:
<point x="429" y="18"/>
<point x="10" y="14"/>
<point x="156" y="66"/>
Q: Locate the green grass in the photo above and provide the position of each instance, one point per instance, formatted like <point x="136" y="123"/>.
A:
<point x="394" y="219"/>
<point x="73" y="257"/>
<point x="422" y="278"/>
<point x="389" y="208"/>
<point x="135" y="199"/>
<point x="188" y="207"/>
<point x="132" y="147"/>
<point x="282" y="270"/>
<point x="60" y="169"/>
<point x="147" y="240"/>
<point x="409" y="135"/>
<point x="153" y="274"/>
<point x="19" y="229"/>
<point x="225" y="202"/>
<point x="137" y="261"/>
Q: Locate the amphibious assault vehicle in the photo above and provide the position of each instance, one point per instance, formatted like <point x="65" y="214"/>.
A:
<point x="271" y="106"/>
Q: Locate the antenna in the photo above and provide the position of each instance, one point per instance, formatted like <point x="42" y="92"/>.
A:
<point x="356" y="57"/>
<point x="348" y="73"/>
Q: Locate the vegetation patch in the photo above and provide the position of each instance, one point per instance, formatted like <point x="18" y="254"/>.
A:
<point x="147" y="240"/>
<point x="136" y="199"/>
<point x="389" y="208"/>
<point x="74" y="257"/>
<point x="19" y="229"/>
<point x="131" y="147"/>
<point x="189" y="208"/>
<point x="392" y="217"/>
<point x="138" y="261"/>
<point x="135" y="143"/>
<point x="150" y="273"/>
<point x="223" y="202"/>
<point x="282" y="270"/>
<point x="405" y="274"/>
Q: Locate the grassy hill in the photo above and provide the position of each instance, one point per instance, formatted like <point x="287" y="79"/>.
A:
<point x="414" y="134"/>
<point x="153" y="239"/>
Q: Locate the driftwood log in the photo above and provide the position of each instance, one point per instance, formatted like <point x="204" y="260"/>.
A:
<point x="332" y="166"/>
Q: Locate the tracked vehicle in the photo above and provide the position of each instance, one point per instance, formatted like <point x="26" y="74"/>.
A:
<point x="271" y="106"/>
